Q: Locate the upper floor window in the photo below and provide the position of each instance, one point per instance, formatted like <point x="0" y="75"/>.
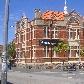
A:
<point x="73" y="20"/>
<point x="18" y="24"/>
<point x="46" y="31"/>
<point x="83" y="25"/>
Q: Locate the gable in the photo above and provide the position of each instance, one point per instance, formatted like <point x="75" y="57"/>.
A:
<point x="73" y="17"/>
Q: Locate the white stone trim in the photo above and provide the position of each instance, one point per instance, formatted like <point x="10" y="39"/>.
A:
<point x="46" y="32"/>
<point x="54" y="54"/>
<point x="33" y="45"/>
<point x="33" y="32"/>
<point x="46" y="51"/>
<point x="39" y="29"/>
<point x="33" y="52"/>
<point x="39" y="48"/>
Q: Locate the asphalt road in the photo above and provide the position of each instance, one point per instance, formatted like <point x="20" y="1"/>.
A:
<point x="46" y="77"/>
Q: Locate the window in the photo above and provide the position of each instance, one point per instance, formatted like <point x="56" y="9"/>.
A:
<point x="83" y="24"/>
<point x="33" y="33"/>
<point x="71" y="35"/>
<point x="46" y="32"/>
<point x="83" y="31"/>
<point x="21" y="38"/>
<point x="22" y="24"/>
<point x="46" y="51"/>
<point x="27" y="36"/>
<point x="55" y="33"/>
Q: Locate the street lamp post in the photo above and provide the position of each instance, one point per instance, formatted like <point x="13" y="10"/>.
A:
<point x="51" y="47"/>
<point x="31" y="43"/>
<point x="4" y="56"/>
<point x="79" y="55"/>
<point x="51" y="39"/>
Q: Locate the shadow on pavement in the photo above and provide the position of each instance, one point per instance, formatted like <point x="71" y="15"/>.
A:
<point x="7" y="82"/>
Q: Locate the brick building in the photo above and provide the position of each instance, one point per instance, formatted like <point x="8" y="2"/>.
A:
<point x="36" y="39"/>
<point x="33" y="38"/>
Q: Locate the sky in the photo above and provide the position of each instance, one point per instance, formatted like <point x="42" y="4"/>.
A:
<point x="19" y="7"/>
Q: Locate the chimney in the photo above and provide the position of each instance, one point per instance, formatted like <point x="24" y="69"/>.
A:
<point x="37" y="14"/>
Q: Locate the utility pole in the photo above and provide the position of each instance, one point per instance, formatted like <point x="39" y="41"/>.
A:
<point x="4" y="55"/>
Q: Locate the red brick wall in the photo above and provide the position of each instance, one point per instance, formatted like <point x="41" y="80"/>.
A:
<point x="38" y="35"/>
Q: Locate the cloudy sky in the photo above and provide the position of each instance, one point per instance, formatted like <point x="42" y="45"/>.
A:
<point x="18" y="7"/>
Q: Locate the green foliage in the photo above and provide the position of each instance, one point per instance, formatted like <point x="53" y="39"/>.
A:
<point x="65" y="47"/>
<point x="82" y="52"/>
<point x="61" y="47"/>
<point x="0" y="54"/>
<point x="56" y="49"/>
<point x="11" y="50"/>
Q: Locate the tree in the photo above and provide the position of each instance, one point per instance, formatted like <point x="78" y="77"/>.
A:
<point x="11" y="50"/>
<point x="56" y="49"/>
<point x="82" y="52"/>
<point x="61" y="47"/>
<point x="65" y="47"/>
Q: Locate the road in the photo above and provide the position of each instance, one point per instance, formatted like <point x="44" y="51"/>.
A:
<point x="45" y="77"/>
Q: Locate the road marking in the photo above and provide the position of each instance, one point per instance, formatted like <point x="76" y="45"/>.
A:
<point x="64" y="74"/>
<point x="17" y="71"/>
<point x="73" y="74"/>
<point x="69" y="77"/>
<point x="81" y="73"/>
<point x="68" y="74"/>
